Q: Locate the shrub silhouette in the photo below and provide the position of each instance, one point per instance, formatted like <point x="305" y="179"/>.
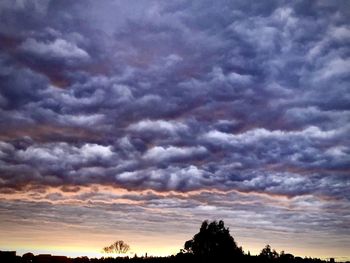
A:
<point x="213" y="241"/>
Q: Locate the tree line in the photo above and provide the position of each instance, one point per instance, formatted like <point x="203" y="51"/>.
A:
<point x="212" y="244"/>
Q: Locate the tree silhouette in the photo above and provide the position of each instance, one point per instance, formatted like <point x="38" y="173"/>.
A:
<point x="269" y="254"/>
<point x="118" y="247"/>
<point x="213" y="241"/>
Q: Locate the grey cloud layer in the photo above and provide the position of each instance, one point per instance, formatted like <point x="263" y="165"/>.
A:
<point x="176" y="85"/>
<point x="177" y="96"/>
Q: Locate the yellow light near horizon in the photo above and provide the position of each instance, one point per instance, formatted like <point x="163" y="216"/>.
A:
<point x="76" y="251"/>
<point x="94" y="252"/>
<point x="74" y="243"/>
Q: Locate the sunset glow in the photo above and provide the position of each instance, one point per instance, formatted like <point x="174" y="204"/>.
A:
<point x="137" y="120"/>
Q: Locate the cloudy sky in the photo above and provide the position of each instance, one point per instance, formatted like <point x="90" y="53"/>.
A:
<point x="137" y="120"/>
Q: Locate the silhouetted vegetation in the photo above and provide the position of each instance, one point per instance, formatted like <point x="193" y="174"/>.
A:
<point x="118" y="247"/>
<point x="213" y="243"/>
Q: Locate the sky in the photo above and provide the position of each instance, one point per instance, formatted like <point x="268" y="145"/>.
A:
<point x="137" y="120"/>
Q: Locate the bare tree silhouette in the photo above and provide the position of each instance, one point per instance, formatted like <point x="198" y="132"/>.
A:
<point x="118" y="247"/>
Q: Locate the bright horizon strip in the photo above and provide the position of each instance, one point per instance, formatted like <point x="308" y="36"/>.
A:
<point x="92" y="251"/>
<point x="141" y="252"/>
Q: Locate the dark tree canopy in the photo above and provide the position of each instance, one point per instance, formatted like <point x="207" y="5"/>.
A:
<point x="213" y="240"/>
<point x="268" y="253"/>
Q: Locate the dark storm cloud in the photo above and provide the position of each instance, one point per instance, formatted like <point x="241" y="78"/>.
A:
<point x="231" y="95"/>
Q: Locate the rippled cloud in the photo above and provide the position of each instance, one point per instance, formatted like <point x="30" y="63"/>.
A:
<point x="228" y="109"/>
